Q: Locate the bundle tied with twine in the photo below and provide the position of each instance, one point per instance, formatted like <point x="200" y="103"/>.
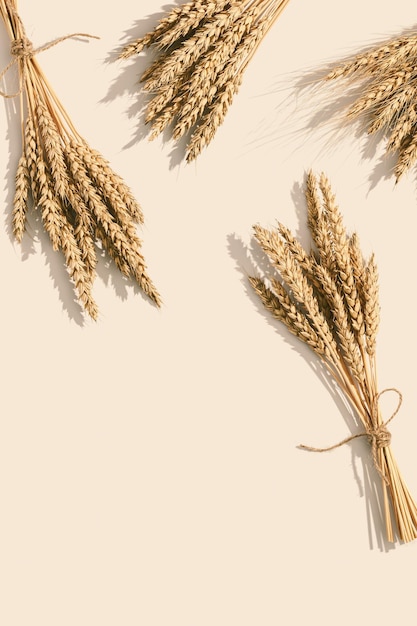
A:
<point x="84" y="204"/>
<point x="328" y="298"/>
<point x="381" y="84"/>
<point x="203" y="48"/>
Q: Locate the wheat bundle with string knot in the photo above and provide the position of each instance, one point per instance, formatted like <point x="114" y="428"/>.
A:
<point x="84" y="205"/>
<point x="328" y="298"/>
<point x="203" y="48"/>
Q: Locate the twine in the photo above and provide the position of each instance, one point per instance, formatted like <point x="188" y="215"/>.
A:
<point x="378" y="434"/>
<point x="22" y="49"/>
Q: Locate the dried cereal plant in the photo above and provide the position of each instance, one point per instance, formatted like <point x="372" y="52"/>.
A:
<point x="83" y="203"/>
<point x="328" y="298"/>
<point x="385" y="76"/>
<point x="203" y="49"/>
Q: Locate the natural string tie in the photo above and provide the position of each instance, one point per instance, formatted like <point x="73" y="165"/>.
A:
<point x="377" y="434"/>
<point x="22" y="49"/>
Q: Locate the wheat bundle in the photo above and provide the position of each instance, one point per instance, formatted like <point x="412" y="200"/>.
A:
<point x="83" y="203"/>
<point x="384" y="81"/>
<point x="328" y="298"/>
<point x="203" y="49"/>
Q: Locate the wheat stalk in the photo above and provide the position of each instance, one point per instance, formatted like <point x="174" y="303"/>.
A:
<point x="386" y="78"/>
<point x="203" y="49"/>
<point x="83" y="203"/>
<point x="328" y="298"/>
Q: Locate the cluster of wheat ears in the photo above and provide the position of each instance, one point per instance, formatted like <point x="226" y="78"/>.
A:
<point x="83" y="203"/>
<point x="385" y="76"/>
<point x="328" y="298"/>
<point x="203" y="49"/>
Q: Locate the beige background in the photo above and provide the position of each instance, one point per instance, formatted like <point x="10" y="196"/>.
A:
<point x="149" y="473"/>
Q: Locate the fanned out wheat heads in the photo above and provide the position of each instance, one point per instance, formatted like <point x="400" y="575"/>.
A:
<point x="328" y="298"/>
<point x="83" y="203"/>
<point x="203" y="49"/>
<point x="385" y="76"/>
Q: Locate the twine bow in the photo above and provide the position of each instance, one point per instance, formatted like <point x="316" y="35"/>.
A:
<point x="378" y="434"/>
<point x="22" y="49"/>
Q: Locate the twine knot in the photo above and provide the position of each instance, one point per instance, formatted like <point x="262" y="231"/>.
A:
<point x="377" y="433"/>
<point x="379" y="436"/>
<point x="22" y="48"/>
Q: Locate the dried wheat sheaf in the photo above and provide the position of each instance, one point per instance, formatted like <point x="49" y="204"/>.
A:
<point x="383" y="79"/>
<point x="203" y="49"/>
<point x="328" y="298"/>
<point x="83" y="203"/>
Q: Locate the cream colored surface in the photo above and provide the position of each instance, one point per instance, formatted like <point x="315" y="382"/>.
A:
<point x="149" y="473"/>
